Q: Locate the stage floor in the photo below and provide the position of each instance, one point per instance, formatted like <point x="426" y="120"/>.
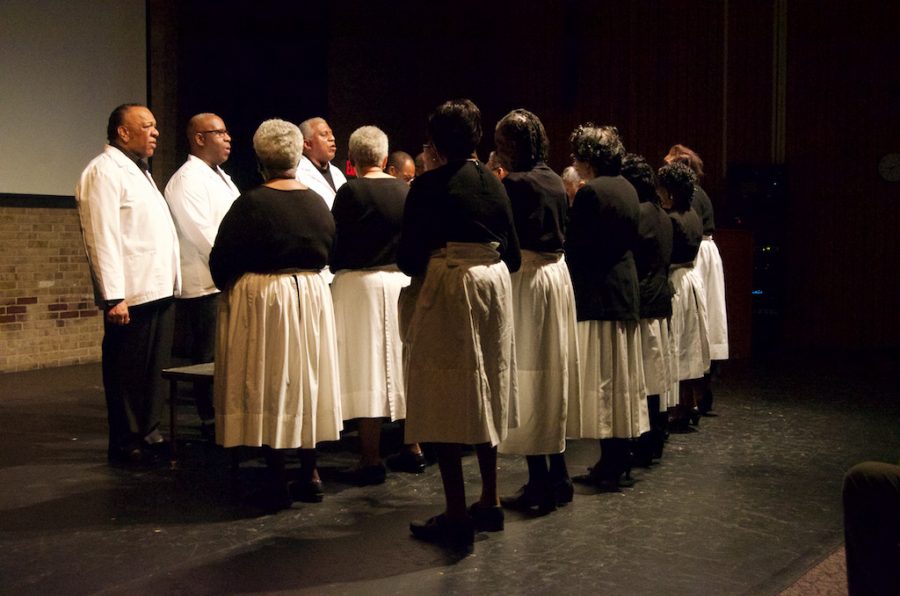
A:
<point x="745" y="505"/>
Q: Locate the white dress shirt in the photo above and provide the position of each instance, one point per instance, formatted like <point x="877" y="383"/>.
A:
<point x="129" y="236"/>
<point x="199" y="197"/>
<point x="309" y="175"/>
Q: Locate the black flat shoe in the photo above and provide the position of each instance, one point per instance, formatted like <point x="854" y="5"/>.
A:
<point x="563" y="491"/>
<point x="310" y="491"/>
<point x="271" y="499"/>
<point x="529" y="496"/>
<point x="364" y="475"/>
<point x="442" y="530"/>
<point x="407" y="461"/>
<point x="486" y="519"/>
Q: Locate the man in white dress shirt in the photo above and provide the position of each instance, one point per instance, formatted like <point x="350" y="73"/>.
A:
<point x="132" y="251"/>
<point x="315" y="169"/>
<point x="199" y="195"/>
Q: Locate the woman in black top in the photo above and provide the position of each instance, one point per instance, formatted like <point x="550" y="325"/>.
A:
<point x="276" y="378"/>
<point x="676" y="182"/>
<point x="459" y="245"/>
<point x="602" y="235"/>
<point x="546" y="338"/>
<point x="652" y="257"/>
<point x="368" y="212"/>
<point x="709" y="268"/>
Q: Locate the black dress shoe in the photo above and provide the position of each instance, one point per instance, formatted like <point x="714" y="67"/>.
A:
<point x="126" y="456"/>
<point x="486" y="519"/>
<point x="442" y="530"/>
<point x="563" y="491"/>
<point x="310" y="491"/>
<point x="407" y="461"/>
<point x="363" y="475"/>
<point x="530" y="496"/>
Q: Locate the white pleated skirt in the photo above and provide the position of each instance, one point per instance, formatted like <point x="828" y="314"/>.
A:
<point x="547" y="363"/>
<point x="656" y="347"/>
<point x="708" y="266"/>
<point x="370" y="354"/>
<point x="689" y="324"/>
<point x="613" y="392"/>
<point x="458" y="330"/>
<point x="276" y="369"/>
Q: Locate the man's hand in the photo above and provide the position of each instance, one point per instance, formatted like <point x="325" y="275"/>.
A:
<point x="118" y="314"/>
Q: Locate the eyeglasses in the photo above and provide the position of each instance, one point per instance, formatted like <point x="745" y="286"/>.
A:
<point x="219" y="132"/>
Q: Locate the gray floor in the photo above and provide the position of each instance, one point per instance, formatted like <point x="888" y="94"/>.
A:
<point x="744" y="506"/>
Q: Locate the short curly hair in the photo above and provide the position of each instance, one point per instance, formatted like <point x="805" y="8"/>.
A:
<point x="367" y="147"/>
<point x="678" y="179"/>
<point x="521" y="140"/>
<point x="598" y="146"/>
<point x="454" y="128"/>
<point x="636" y="170"/>
<point x="278" y="145"/>
<point x="687" y="156"/>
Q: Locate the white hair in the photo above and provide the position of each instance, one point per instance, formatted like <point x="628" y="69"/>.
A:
<point x="570" y="175"/>
<point x="368" y="146"/>
<point x="306" y="127"/>
<point x="278" y="145"/>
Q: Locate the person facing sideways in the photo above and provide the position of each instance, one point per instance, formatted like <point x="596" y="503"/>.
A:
<point x="276" y="380"/>
<point x="459" y="244"/>
<point x="572" y="181"/>
<point x="494" y="165"/>
<point x="691" y="343"/>
<point x="652" y="257"/>
<point x="603" y="232"/>
<point x="314" y="169"/>
<point x="545" y="321"/>
<point x="199" y="195"/>
<point x="710" y="270"/>
<point x="368" y="213"/>
<point x="132" y="252"/>
<point x="400" y="165"/>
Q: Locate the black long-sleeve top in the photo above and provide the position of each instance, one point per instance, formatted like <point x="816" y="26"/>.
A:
<point x="702" y="204"/>
<point x="368" y="215"/>
<point x="602" y="233"/>
<point x="652" y="257"/>
<point x="687" y="233"/>
<point x="269" y="230"/>
<point x="540" y="207"/>
<point x="461" y="201"/>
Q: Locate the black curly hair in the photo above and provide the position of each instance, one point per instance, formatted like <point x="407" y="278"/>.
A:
<point x="678" y="179"/>
<point x="636" y="170"/>
<point x="454" y="128"/>
<point x="521" y="140"/>
<point x="598" y="146"/>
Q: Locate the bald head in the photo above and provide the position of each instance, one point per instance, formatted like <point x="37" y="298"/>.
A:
<point x="209" y="139"/>
<point x="400" y="165"/>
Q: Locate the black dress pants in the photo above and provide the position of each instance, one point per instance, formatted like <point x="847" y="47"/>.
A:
<point x="133" y="356"/>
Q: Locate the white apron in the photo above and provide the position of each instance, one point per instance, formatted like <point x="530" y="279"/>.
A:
<point x="546" y="355"/>
<point x="656" y="348"/>
<point x="276" y="376"/>
<point x="461" y="377"/>
<point x="709" y="268"/>
<point x="613" y="393"/>
<point x="689" y="325"/>
<point x="368" y="340"/>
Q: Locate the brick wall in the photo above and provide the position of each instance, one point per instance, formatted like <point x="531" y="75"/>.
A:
<point x="47" y="312"/>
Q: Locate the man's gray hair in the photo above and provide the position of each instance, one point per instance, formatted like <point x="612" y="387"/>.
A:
<point x="278" y="145"/>
<point x="306" y="126"/>
<point x="570" y="175"/>
<point x="368" y="146"/>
